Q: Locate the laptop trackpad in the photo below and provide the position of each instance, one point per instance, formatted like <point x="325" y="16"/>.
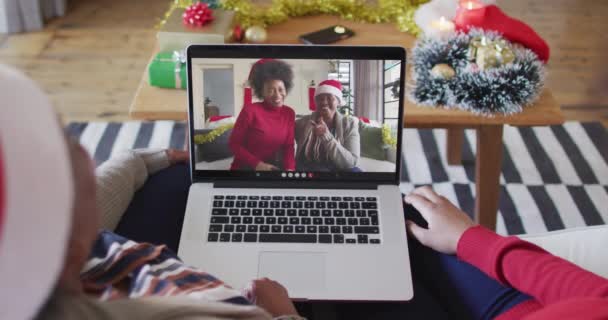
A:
<point x="302" y="273"/>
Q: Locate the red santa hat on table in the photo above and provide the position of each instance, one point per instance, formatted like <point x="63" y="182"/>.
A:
<point x="36" y="195"/>
<point x="493" y="18"/>
<point x="332" y="87"/>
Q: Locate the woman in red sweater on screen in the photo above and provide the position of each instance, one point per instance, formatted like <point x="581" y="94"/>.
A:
<point x="263" y="135"/>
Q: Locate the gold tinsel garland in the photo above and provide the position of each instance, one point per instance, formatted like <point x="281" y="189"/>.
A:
<point x="210" y="136"/>
<point x="249" y="14"/>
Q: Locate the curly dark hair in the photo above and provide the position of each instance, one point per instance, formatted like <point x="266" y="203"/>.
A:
<point x="270" y="70"/>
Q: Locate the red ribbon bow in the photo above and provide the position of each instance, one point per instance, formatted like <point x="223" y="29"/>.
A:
<point x="198" y="15"/>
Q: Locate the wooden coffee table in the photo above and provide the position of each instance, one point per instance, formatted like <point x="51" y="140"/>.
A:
<point x="151" y="103"/>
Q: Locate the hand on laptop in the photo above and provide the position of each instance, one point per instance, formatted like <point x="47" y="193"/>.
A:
<point x="446" y="223"/>
<point x="177" y="156"/>
<point x="263" y="166"/>
<point x="273" y="297"/>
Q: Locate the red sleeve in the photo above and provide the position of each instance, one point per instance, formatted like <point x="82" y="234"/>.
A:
<point x="528" y="268"/>
<point x="289" y="159"/>
<point x="237" y="139"/>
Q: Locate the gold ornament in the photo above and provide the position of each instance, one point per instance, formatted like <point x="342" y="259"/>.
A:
<point x="443" y="71"/>
<point x="256" y="34"/>
<point x="490" y="53"/>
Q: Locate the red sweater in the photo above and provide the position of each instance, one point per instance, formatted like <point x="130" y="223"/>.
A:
<point x="263" y="133"/>
<point x="561" y="290"/>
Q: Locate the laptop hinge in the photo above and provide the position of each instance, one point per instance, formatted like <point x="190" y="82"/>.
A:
<point x="295" y="185"/>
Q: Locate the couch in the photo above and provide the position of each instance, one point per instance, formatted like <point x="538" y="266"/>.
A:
<point x="212" y="151"/>
<point x="582" y="246"/>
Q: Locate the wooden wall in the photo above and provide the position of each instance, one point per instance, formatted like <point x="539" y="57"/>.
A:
<point x="578" y="68"/>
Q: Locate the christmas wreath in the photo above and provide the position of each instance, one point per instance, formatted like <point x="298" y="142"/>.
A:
<point x="478" y="71"/>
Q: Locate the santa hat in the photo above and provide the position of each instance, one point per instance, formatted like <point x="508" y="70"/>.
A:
<point x="332" y="87"/>
<point x="492" y="18"/>
<point x="36" y="194"/>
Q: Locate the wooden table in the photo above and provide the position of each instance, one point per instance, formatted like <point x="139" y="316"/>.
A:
<point x="152" y="103"/>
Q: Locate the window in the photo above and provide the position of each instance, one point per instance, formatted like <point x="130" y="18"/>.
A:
<point x="341" y="70"/>
<point x="390" y="94"/>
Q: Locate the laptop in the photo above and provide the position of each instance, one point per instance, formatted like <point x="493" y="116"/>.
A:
<point x="324" y="230"/>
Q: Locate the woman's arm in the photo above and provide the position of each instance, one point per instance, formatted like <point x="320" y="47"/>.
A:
<point x="119" y="178"/>
<point x="528" y="268"/>
<point x="344" y="156"/>
<point x="237" y="140"/>
<point x="510" y="260"/>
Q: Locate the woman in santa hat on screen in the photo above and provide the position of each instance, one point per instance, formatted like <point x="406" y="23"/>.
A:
<point x="263" y="135"/>
<point x="327" y="140"/>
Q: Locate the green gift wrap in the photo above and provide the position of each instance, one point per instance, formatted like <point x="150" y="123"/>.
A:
<point x="168" y="70"/>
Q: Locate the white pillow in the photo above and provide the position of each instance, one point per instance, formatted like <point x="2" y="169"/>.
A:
<point x="222" y="164"/>
<point x="582" y="246"/>
<point x="373" y="165"/>
<point x="219" y="123"/>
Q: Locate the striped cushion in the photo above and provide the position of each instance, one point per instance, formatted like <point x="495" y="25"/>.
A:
<point x="552" y="177"/>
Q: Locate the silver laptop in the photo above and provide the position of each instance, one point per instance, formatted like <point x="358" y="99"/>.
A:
<point x="323" y="230"/>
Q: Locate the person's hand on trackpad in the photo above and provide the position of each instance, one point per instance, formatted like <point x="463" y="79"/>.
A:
<point x="273" y="297"/>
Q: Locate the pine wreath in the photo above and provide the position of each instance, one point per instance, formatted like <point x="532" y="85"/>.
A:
<point x="506" y="89"/>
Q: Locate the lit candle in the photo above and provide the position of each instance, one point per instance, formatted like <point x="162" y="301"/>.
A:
<point x="469" y="11"/>
<point x="471" y="4"/>
<point x="442" y="27"/>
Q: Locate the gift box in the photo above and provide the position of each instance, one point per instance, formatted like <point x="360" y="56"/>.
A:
<point x="175" y="35"/>
<point x="168" y="70"/>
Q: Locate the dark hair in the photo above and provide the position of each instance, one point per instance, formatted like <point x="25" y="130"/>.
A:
<point x="270" y="70"/>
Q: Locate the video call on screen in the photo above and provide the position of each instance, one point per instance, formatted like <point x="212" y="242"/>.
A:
<point x="295" y="115"/>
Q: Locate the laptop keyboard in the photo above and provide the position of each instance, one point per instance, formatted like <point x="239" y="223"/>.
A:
<point x="294" y="219"/>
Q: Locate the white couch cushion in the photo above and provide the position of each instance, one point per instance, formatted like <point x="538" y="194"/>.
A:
<point x="585" y="246"/>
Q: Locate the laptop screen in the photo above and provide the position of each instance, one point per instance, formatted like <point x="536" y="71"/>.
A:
<point x="294" y="116"/>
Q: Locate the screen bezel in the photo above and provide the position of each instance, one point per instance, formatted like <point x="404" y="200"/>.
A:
<point x="295" y="52"/>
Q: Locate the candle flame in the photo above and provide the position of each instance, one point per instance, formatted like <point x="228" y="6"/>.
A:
<point x="470" y="5"/>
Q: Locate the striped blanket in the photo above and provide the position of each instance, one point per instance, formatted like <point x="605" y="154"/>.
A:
<point x="552" y="177"/>
<point x="119" y="268"/>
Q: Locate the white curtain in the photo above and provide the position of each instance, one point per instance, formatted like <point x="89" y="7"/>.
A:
<point x="28" y="15"/>
<point x="368" y="87"/>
